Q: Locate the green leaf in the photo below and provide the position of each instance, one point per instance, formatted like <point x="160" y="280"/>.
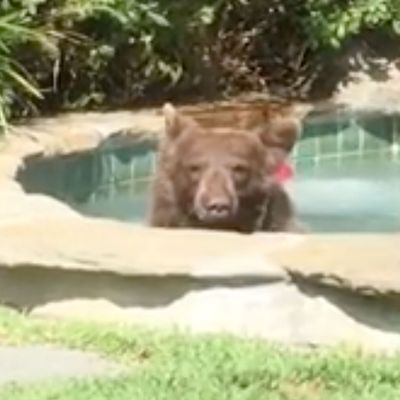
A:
<point x="396" y="26"/>
<point x="207" y="15"/>
<point x="22" y="82"/>
<point x="158" y="19"/>
<point x="341" y="31"/>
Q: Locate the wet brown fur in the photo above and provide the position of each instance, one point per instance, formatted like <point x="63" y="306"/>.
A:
<point x="199" y="163"/>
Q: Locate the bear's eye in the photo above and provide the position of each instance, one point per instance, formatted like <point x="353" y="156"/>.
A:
<point x="240" y="171"/>
<point x="194" y="170"/>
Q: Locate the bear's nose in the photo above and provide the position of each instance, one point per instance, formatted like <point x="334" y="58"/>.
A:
<point x="218" y="208"/>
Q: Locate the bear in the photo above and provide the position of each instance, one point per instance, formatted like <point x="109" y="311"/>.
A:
<point x="222" y="178"/>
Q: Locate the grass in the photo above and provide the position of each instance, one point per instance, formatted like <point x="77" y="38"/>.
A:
<point x="170" y="365"/>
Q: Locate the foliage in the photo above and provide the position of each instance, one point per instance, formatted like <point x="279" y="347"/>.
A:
<point x="13" y="76"/>
<point x="330" y="22"/>
<point x="91" y="53"/>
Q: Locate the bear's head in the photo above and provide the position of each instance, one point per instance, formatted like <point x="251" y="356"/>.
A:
<point x="219" y="174"/>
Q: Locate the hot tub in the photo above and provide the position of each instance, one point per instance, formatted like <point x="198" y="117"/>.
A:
<point x="347" y="175"/>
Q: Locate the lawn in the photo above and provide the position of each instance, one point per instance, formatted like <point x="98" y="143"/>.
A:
<point x="170" y="366"/>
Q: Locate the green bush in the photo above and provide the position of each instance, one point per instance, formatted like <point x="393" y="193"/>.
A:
<point x="14" y="79"/>
<point x="329" y="22"/>
<point x="92" y="53"/>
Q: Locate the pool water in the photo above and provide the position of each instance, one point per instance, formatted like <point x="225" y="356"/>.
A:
<point x="124" y="204"/>
<point x="347" y="177"/>
<point x="355" y="195"/>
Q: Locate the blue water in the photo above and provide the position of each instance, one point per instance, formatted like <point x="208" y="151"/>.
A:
<point x="353" y="195"/>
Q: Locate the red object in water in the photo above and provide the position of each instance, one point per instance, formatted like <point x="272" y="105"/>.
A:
<point x="284" y="172"/>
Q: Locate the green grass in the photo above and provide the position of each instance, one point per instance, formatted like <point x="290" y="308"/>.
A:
<point x="169" y="365"/>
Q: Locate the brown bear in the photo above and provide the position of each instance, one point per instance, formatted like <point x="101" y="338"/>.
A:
<point x="222" y="178"/>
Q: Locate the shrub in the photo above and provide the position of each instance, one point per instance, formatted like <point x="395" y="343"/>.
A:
<point x="92" y="53"/>
<point x="329" y="22"/>
<point x="14" y="79"/>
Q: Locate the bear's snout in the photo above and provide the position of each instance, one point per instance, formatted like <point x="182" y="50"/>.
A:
<point x="218" y="208"/>
<point x="216" y="198"/>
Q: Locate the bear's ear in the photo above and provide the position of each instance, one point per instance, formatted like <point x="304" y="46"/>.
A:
<point x="279" y="137"/>
<point x="176" y="123"/>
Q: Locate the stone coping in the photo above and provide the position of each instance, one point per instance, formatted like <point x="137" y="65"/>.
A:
<point x="82" y="243"/>
<point x="368" y="264"/>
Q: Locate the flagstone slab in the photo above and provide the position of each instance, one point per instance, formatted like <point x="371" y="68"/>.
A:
<point x="29" y="364"/>
<point x="366" y="263"/>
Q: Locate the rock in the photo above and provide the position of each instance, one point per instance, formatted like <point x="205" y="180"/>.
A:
<point x="366" y="263"/>
<point x="280" y="312"/>
<point x="360" y="91"/>
<point x="17" y="206"/>
<point x="103" y="245"/>
<point x="20" y="364"/>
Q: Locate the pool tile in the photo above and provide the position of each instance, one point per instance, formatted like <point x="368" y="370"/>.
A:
<point x="123" y="160"/>
<point x="306" y="147"/>
<point x="143" y="167"/>
<point x="105" y="168"/>
<point x="104" y="192"/>
<point x="375" y="143"/>
<point x="344" y="120"/>
<point x="350" y="139"/>
<point x="308" y="130"/>
<point x="396" y="129"/>
<point x="321" y="127"/>
<point x="378" y="130"/>
<point x="329" y="144"/>
<point x="122" y="184"/>
<point x="305" y="164"/>
<point x="78" y="180"/>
